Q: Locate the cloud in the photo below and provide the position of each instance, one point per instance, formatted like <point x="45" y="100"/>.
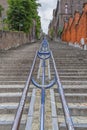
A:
<point x="45" y="11"/>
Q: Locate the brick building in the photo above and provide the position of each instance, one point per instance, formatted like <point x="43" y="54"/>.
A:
<point x="64" y="9"/>
<point x="68" y="7"/>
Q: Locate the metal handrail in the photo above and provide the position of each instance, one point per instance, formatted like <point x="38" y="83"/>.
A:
<point x="18" y="115"/>
<point x="68" y="119"/>
<point x="43" y="54"/>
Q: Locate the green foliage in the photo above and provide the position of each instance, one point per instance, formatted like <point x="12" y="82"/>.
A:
<point x="1" y="9"/>
<point x="21" y="14"/>
<point x="51" y="33"/>
<point x="38" y="27"/>
<point x="60" y="29"/>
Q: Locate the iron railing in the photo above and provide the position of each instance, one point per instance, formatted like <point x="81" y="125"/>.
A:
<point x="44" y="53"/>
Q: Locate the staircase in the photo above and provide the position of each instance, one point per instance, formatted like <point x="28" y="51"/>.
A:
<point x="15" y="66"/>
<point x="72" y="69"/>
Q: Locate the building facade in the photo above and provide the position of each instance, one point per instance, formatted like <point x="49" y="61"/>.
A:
<point x="67" y="8"/>
<point x="64" y="10"/>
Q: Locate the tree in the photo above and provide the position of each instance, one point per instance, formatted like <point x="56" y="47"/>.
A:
<point x="51" y="33"/>
<point x="1" y="9"/>
<point x="60" y="29"/>
<point x="21" y="14"/>
<point x="1" y="21"/>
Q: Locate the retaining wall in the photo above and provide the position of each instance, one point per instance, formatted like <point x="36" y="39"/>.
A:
<point x="13" y="39"/>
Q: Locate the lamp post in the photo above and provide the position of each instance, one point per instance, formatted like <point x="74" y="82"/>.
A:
<point x="20" y="25"/>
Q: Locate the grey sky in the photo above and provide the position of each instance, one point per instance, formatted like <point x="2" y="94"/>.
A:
<point x="45" y="11"/>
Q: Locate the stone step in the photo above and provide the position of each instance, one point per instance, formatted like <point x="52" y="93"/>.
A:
<point x="74" y="66"/>
<point x="70" y="73"/>
<point x="75" y="119"/>
<point x="71" y="69"/>
<point x="14" y="88"/>
<point x="12" y="82"/>
<point x="76" y="126"/>
<point x="15" y="73"/>
<point x="73" y="97"/>
<point x="12" y="97"/>
<point x="59" y="105"/>
<point x="6" y="121"/>
<point x="11" y="108"/>
<point x="76" y="109"/>
<point x="67" y="72"/>
<point x="73" y="77"/>
<point x="16" y="78"/>
<point x="66" y="79"/>
<point x="78" y="89"/>
<point x="68" y="82"/>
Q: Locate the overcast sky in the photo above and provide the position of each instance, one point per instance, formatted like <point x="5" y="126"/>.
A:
<point x="45" y="11"/>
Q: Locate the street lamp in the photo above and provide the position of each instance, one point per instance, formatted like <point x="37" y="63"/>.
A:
<point x="20" y="25"/>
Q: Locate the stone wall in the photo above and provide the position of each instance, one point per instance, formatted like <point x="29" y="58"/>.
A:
<point x="13" y="39"/>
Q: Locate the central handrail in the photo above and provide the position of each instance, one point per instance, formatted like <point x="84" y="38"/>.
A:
<point x="43" y="54"/>
<point x="18" y="116"/>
